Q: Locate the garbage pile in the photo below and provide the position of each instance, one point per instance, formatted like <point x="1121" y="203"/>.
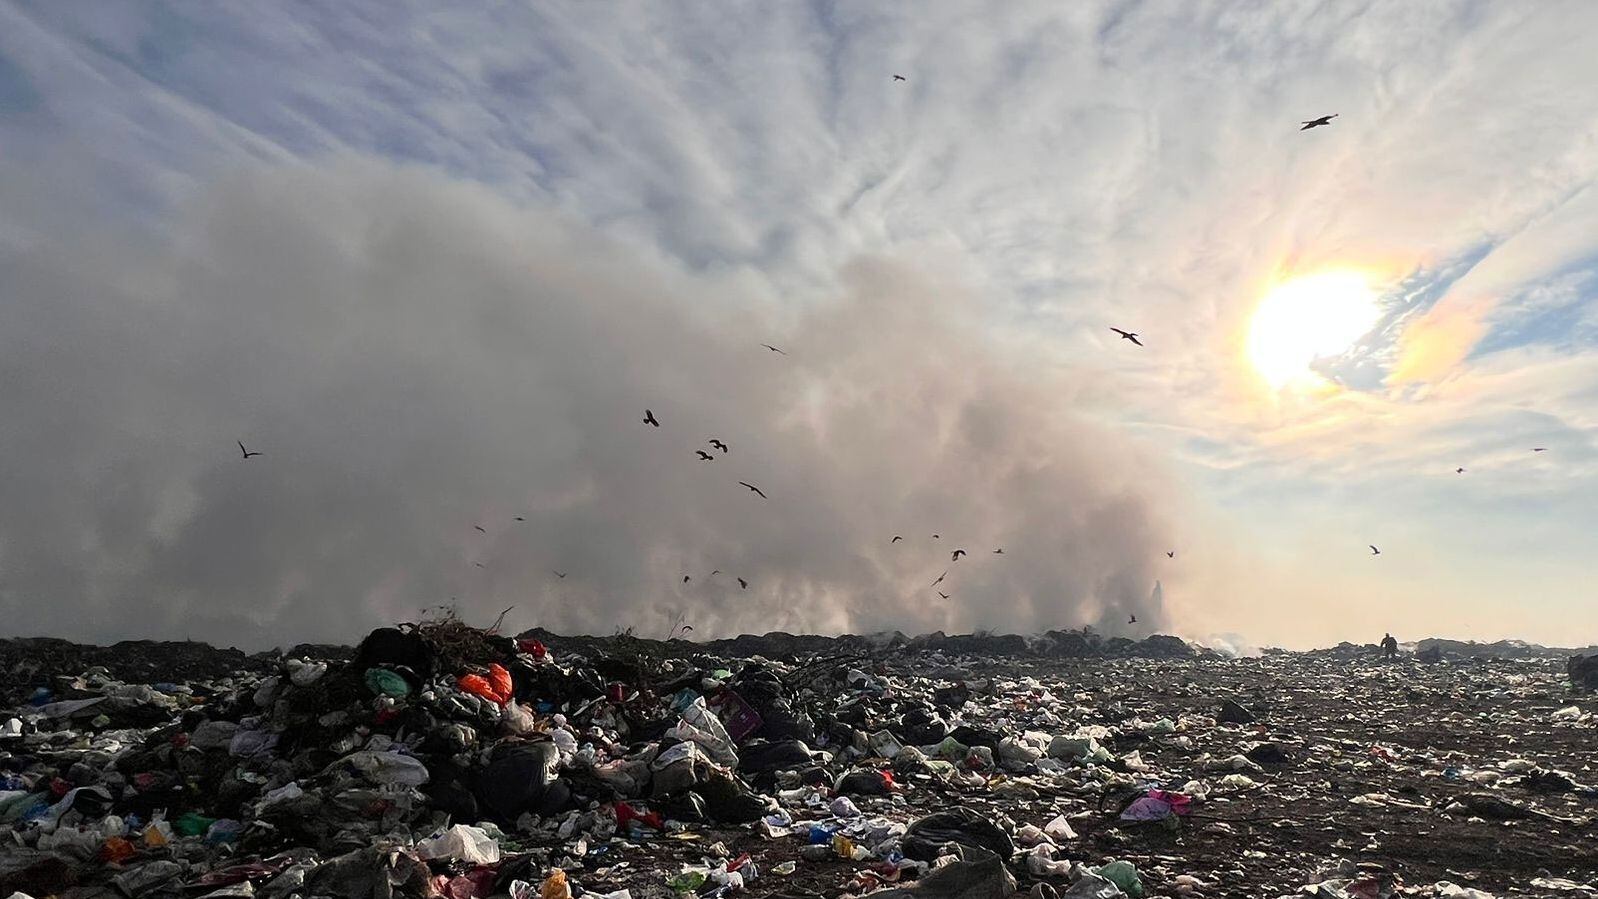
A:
<point x="441" y="760"/>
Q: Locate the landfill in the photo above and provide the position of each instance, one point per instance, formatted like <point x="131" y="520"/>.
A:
<point x="437" y="759"/>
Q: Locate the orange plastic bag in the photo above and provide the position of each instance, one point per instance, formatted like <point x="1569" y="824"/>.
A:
<point x="496" y="687"/>
<point x="499" y="678"/>
<point x="555" y="886"/>
<point x="116" y="850"/>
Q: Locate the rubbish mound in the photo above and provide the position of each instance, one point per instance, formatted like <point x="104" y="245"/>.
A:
<point x="437" y="759"/>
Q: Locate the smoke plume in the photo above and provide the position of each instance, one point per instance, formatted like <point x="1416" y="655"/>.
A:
<point x="416" y="357"/>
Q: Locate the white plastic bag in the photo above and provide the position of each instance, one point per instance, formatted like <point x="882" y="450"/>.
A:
<point x="1059" y="828"/>
<point x="462" y="841"/>
<point x="701" y="725"/>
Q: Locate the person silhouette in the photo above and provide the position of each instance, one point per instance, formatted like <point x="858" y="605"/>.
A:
<point x="1389" y="646"/>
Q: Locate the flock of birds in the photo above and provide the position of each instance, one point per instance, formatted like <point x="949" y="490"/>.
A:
<point x="723" y="449"/>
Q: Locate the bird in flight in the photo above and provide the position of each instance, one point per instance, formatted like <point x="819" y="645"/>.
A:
<point x="940" y="579"/>
<point x="1459" y="471"/>
<point x="955" y="556"/>
<point x="1535" y="449"/>
<point x="559" y="574"/>
<point x="247" y="453"/>
<point x="898" y="78"/>
<point x="743" y="584"/>
<point x="896" y="539"/>
<point x="999" y="551"/>
<point x="943" y="594"/>
<point x="718" y="444"/>
<point x="1133" y="619"/>
<point x="1316" y="123"/>
<point x="520" y="518"/>
<point x="753" y="487"/>
<point x="1374" y="550"/>
<point x="1170" y="554"/>
<point x="716" y="572"/>
<point x="934" y="536"/>
<point x="1128" y="335"/>
<point x="774" y="349"/>
<point x="649" y="418"/>
<point x="479" y="564"/>
<point x="685" y="578"/>
<point x="479" y="527"/>
<point x="705" y="456"/>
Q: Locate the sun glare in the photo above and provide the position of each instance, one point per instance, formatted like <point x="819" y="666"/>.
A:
<point x="1306" y="319"/>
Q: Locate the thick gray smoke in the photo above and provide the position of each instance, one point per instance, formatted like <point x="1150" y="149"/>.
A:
<point x="415" y="357"/>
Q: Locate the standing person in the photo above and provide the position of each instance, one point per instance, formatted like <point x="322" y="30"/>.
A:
<point x="1389" y="646"/>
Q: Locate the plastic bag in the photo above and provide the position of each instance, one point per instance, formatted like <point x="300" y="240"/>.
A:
<point x="388" y="767"/>
<point x="555" y="886"/>
<point x="384" y="682"/>
<point x="518" y="719"/>
<point x="496" y="687"/>
<point x="701" y="726"/>
<point x="470" y="844"/>
<point x="1059" y="828"/>
<point x="192" y="824"/>
<point x="1040" y="862"/>
<point x="303" y="673"/>
<point x="1123" y="875"/>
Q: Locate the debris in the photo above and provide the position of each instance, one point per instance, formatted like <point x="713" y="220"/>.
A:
<point x="438" y="759"/>
<point x="925" y="838"/>
<point x="1233" y="713"/>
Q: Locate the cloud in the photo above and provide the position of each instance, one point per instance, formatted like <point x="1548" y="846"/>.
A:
<point x="1436" y="342"/>
<point x="416" y="357"/>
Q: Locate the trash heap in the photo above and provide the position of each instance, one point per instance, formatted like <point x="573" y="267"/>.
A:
<point x="441" y="760"/>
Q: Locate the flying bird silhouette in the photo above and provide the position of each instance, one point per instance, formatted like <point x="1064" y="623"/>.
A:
<point x="774" y="349"/>
<point x="943" y="594"/>
<point x="940" y="579"/>
<point x="520" y="518"/>
<point x="559" y="574"/>
<point x="1374" y="550"/>
<point x="1535" y="449"/>
<point x="479" y="564"/>
<point x="898" y="78"/>
<point x="716" y="572"/>
<point x="1316" y="123"/>
<point x="685" y="578"/>
<point x="718" y="444"/>
<point x="934" y="536"/>
<point x="955" y="556"/>
<point x="247" y="453"/>
<point x="1170" y="554"/>
<point x="753" y="487"/>
<point x="743" y="584"/>
<point x="479" y="527"/>
<point x="1133" y="619"/>
<point x="649" y="418"/>
<point x="1459" y="471"/>
<point x="999" y="551"/>
<point x="705" y="456"/>
<point x="896" y="539"/>
<point x="1128" y="335"/>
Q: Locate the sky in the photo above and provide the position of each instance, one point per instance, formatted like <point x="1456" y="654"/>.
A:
<point x="434" y="265"/>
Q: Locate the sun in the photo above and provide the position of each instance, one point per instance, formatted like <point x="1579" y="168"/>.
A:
<point x="1309" y="318"/>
